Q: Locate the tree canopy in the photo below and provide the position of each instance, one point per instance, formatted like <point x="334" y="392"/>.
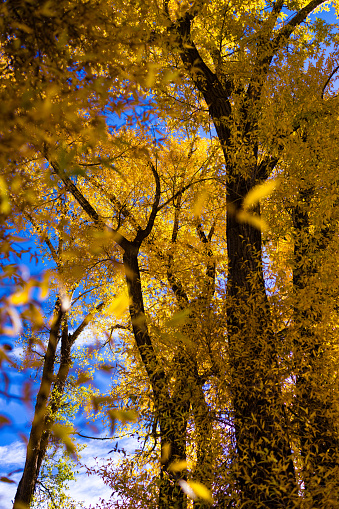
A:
<point x="176" y="163"/>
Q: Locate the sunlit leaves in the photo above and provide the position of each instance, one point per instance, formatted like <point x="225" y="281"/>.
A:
<point x="258" y="193"/>
<point x="178" y="318"/>
<point x="199" y="203"/>
<point x="252" y="199"/>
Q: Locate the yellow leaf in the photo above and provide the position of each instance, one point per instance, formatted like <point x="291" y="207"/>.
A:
<point x="44" y="285"/>
<point x="7" y="480"/>
<point x="259" y="192"/>
<point x="21" y="297"/>
<point x="165" y="453"/>
<point x="201" y="491"/>
<point x="4" y="421"/>
<point x="63" y="432"/>
<point x="5" y="205"/>
<point x="151" y="76"/>
<point x="119" y="305"/>
<point x="256" y="221"/>
<point x="186" y="488"/>
<point x="177" y="466"/>
<point x="123" y="415"/>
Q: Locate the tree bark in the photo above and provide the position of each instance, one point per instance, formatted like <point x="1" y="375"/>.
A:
<point x="30" y="474"/>
<point x="172" y="411"/>
<point x="265" y="469"/>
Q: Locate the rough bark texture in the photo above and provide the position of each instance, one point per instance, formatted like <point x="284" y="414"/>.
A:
<point x="265" y="470"/>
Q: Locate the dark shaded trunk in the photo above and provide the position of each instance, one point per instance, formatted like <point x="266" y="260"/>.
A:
<point x="30" y="474"/>
<point x="205" y="463"/>
<point x="265" y="469"/>
<point x="57" y="393"/>
<point x="172" y="411"/>
<point x="173" y="428"/>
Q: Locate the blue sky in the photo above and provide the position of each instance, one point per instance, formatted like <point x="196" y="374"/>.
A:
<point x="88" y="489"/>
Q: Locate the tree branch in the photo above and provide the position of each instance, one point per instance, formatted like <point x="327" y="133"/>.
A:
<point x="175" y="283"/>
<point x="285" y="32"/>
<point x="328" y="80"/>
<point x="143" y="233"/>
<point x="86" y="206"/>
<point x="73" y="337"/>
<point x="268" y="48"/>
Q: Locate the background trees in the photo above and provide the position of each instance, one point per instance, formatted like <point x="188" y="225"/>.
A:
<point x="231" y="325"/>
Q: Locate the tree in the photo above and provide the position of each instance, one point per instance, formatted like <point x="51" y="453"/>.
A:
<point x="53" y="382"/>
<point x="237" y="103"/>
<point x="260" y="409"/>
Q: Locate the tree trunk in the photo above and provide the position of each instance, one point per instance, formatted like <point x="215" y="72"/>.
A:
<point x="172" y="411"/>
<point x="265" y="469"/>
<point x="30" y="474"/>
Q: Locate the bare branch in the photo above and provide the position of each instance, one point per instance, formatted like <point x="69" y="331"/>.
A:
<point x="93" y="438"/>
<point x="175" y="283"/>
<point x="328" y="80"/>
<point x="86" y="206"/>
<point x="73" y="337"/>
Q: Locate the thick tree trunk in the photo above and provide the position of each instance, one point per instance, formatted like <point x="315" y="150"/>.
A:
<point x="265" y="469"/>
<point x="173" y="428"/>
<point x="30" y="474"/>
<point x="57" y="393"/>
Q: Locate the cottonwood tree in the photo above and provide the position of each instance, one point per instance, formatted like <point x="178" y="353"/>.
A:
<point x="176" y="379"/>
<point x="242" y="67"/>
<point x="236" y="58"/>
<point x="53" y="355"/>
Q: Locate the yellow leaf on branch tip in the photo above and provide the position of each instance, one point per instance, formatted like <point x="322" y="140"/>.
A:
<point x="259" y="192"/>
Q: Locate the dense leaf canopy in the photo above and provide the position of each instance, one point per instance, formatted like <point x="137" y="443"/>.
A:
<point x="176" y="164"/>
